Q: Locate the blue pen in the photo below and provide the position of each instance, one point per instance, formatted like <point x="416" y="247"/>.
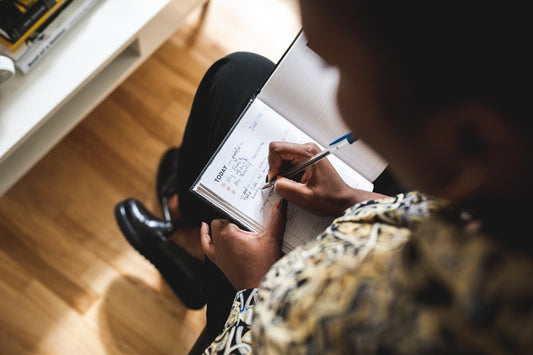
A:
<point x="348" y="138"/>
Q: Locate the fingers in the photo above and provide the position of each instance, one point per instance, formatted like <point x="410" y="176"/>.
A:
<point x="221" y="230"/>
<point x="278" y="218"/>
<point x="295" y="192"/>
<point x="207" y="244"/>
<point x="282" y="154"/>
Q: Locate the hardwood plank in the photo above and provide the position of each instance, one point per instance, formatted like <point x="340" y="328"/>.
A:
<point x="69" y="281"/>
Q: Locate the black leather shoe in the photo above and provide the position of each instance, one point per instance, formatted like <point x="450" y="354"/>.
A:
<point x="148" y="235"/>
<point x="166" y="179"/>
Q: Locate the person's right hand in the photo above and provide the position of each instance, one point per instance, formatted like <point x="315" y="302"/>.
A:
<point x="321" y="190"/>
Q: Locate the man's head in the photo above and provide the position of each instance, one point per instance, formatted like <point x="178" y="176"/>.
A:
<point x="438" y="88"/>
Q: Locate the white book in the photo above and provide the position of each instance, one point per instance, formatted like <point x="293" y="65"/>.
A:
<point x="296" y="104"/>
<point x="61" y="25"/>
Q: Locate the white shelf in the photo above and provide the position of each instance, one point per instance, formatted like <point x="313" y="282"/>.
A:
<point x="38" y="109"/>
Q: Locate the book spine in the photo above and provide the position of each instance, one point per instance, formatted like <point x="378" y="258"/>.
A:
<point x="32" y="15"/>
<point x="14" y="46"/>
<point x="50" y="38"/>
<point x="35" y="37"/>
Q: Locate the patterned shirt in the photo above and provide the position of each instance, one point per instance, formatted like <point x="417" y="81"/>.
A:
<point x="402" y="275"/>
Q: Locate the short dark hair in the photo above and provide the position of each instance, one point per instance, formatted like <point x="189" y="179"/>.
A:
<point x="444" y="52"/>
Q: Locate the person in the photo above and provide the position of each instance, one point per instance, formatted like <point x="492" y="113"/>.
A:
<point x="437" y="88"/>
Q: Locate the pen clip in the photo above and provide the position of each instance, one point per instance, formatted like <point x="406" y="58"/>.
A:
<point x="350" y="137"/>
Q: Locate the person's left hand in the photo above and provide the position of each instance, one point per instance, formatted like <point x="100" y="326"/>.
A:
<point x="244" y="257"/>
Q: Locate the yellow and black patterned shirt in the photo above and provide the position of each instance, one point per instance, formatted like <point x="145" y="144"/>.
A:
<point x="402" y="275"/>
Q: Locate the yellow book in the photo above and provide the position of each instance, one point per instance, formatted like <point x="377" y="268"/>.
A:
<point x="14" y="46"/>
<point x="22" y="5"/>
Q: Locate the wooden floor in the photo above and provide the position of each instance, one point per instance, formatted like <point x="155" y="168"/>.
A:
<point x="69" y="282"/>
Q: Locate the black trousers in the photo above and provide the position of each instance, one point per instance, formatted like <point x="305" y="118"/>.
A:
<point x="224" y="91"/>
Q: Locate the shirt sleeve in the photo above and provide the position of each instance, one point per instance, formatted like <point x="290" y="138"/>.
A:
<point x="236" y="337"/>
<point x="336" y="294"/>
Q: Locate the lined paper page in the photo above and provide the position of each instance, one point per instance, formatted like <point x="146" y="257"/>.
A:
<point x="234" y="177"/>
<point x="303" y="90"/>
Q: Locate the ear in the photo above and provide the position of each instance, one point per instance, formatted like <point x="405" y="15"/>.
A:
<point x="484" y="149"/>
<point x="483" y="134"/>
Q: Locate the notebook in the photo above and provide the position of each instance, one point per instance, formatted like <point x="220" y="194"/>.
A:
<point x="296" y="104"/>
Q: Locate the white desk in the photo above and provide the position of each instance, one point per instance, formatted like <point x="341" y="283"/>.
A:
<point x="38" y="109"/>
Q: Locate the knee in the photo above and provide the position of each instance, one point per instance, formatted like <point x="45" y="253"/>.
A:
<point x="246" y="61"/>
<point x="243" y="66"/>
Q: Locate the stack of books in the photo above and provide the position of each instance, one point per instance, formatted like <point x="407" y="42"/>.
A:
<point x="29" y="29"/>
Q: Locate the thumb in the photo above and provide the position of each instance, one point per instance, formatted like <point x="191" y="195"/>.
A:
<point x="207" y="244"/>
<point x="276" y="226"/>
<point x="295" y="192"/>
